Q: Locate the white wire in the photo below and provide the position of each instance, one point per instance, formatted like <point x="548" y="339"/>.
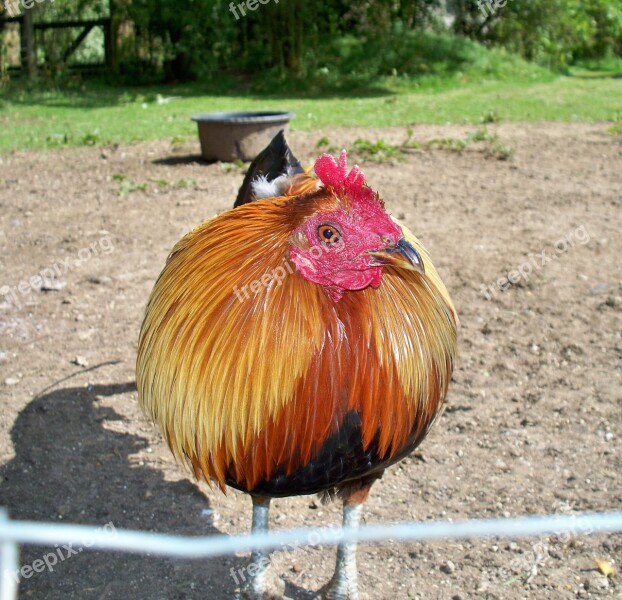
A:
<point x="81" y="536"/>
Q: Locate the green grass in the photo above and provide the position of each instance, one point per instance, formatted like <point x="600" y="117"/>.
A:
<point x="57" y="119"/>
<point x="450" y="81"/>
<point x="364" y="150"/>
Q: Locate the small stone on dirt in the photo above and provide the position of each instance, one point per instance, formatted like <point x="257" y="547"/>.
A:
<point x="53" y="286"/>
<point x="80" y="361"/>
<point x="596" y="583"/>
<point x="448" y="567"/>
<point x="103" y="280"/>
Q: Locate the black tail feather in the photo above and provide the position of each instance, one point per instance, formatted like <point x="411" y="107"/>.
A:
<point x="275" y="160"/>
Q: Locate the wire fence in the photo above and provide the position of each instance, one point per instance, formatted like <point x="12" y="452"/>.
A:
<point x="16" y="533"/>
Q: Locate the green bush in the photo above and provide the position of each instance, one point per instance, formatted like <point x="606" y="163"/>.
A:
<point x="554" y="33"/>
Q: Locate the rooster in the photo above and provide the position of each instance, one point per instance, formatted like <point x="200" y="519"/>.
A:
<point x="298" y="344"/>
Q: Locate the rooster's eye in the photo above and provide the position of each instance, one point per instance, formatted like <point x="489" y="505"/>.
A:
<point x="329" y="234"/>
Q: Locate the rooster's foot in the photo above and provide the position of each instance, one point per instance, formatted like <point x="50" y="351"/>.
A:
<point x="264" y="585"/>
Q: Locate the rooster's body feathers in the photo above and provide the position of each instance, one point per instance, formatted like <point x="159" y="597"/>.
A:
<point x="263" y="382"/>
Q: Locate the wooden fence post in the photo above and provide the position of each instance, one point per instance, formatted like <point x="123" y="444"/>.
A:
<point x="27" y="41"/>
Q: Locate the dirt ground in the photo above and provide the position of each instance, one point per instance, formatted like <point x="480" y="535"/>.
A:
<point x="533" y="424"/>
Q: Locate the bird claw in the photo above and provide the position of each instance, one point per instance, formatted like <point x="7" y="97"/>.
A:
<point x="270" y="587"/>
<point x="338" y="589"/>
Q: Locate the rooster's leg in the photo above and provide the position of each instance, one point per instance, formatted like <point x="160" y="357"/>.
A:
<point x="344" y="584"/>
<point x="262" y="582"/>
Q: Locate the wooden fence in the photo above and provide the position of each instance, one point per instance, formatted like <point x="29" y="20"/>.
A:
<point x="28" y="31"/>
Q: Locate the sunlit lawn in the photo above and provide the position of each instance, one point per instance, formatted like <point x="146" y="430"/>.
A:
<point x="98" y="114"/>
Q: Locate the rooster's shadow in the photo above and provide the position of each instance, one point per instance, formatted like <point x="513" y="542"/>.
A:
<point x="75" y="463"/>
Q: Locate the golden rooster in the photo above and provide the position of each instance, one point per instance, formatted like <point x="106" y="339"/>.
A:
<point x="298" y="344"/>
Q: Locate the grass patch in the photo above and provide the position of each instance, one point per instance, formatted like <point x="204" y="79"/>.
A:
<point x="379" y="151"/>
<point x="486" y="142"/>
<point x="128" y="186"/>
<point x="364" y="150"/>
<point x="237" y="166"/>
<point x="616" y="129"/>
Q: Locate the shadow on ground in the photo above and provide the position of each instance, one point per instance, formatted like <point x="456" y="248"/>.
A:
<point x="186" y="159"/>
<point x="95" y="94"/>
<point x="74" y="464"/>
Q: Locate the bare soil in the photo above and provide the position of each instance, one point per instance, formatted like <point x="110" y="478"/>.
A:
<point x="534" y="417"/>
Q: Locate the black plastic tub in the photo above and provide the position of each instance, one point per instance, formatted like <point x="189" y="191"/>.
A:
<point x="229" y="136"/>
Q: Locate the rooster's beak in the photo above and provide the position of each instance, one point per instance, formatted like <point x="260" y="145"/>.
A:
<point x="403" y="255"/>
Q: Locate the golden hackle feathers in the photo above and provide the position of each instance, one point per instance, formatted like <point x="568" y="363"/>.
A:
<point x="243" y="384"/>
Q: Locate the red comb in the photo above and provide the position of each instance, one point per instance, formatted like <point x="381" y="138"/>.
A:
<point x="335" y="174"/>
